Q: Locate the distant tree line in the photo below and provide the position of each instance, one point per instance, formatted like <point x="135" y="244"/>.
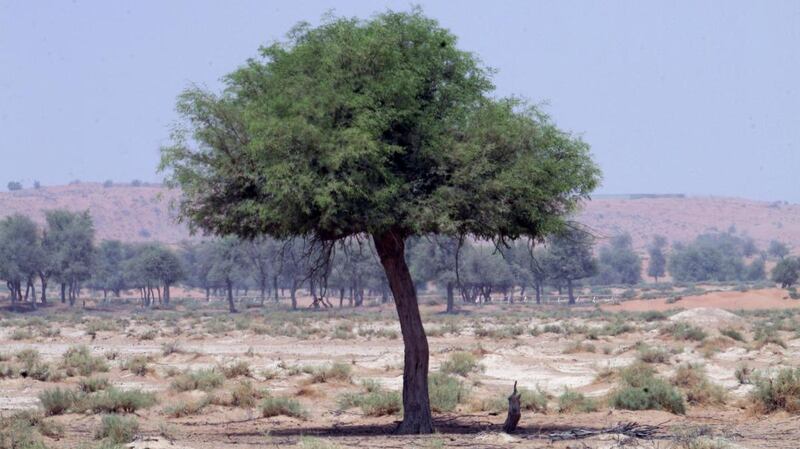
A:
<point x="62" y="253"/>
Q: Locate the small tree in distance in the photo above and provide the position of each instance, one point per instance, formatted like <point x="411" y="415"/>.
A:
<point x="777" y="249"/>
<point x="657" y="266"/>
<point x="379" y="128"/>
<point x="14" y="185"/>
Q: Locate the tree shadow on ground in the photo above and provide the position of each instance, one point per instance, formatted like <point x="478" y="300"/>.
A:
<point x="442" y="427"/>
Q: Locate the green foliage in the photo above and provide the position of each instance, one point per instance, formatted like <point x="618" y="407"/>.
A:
<point x="335" y="372"/>
<point x="618" y="263"/>
<point x="710" y="257"/>
<point x="685" y="331"/>
<point x="187" y="408"/>
<point x="657" y="265"/>
<point x="640" y="389"/>
<point x="699" y="389"/>
<point x="93" y="384"/>
<point x="732" y="333"/>
<point x="118" y="429"/>
<point x="786" y="272"/>
<point x="651" y="354"/>
<point x="569" y="256"/>
<point x="533" y="400"/>
<point x="461" y="363"/>
<point x="137" y="364"/>
<point x="446" y="392"/>
<point x="56" y="401"/>
<point x="277" y="406"/>
<point x="780" y="392"/>
<point x="79" y="359"/>
<point x="383" y="105"/>
<point x="777" y="249"/>
<point x="374" y="401"/>
<point x="113" y="400"/>
<point x="19" y="431"/>
<point x="571" y="401"/>
<point x="202" y="379"/>
<point x="240" y="368"/>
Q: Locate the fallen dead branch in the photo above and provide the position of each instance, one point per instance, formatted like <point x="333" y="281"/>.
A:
<point x="631" y="429"/>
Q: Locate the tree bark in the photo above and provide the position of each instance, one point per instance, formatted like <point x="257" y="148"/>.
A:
<point x="44" y="289"/>
<point x="293" y="294"/>
<point x="450" y="305"/>
<point x="570" y="292"/>
<point x="417" y="418"/>
<point x="231" y="305"/>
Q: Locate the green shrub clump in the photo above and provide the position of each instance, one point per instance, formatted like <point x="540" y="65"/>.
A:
<point x="640" y="389"/>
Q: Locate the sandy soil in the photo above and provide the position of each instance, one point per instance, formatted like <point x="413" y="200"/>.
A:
<point x="542" y="361"/>
<point x="772" y="298"/>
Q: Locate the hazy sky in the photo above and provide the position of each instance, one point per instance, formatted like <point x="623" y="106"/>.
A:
<point x="696" y="97"/>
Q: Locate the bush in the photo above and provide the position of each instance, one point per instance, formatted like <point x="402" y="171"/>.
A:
<point x="765" y="335"/>
<point x="93" y="384"/>
<point x="171" y="348"/>
<point x="571" y="401"/>
<point x="641" y="390"/>
<point x="238" y="369"/>
<point x="649" y="354"/>
<point x="113" y="400"/>
<point x="699" y="389"/>
<point x="375" y="401"/>
<point x="653" y="315"/>
<point x="56" y="401"/>
<point x="732" y="333"/>
<point x="445" y="392"/>
<point x="202" y="379"/>
<point x="277" y="406"/>
<point x="579" y="346"/>
<point x="743" y="374"/>
<point x="781" y="392"/>
<point x="685" y="331"/>
<point x="461" y="363"/>
<point x="243" y="394"/>
<point x="535" y="401"/>
<point x="137" y="365"/>
<point x="337" y="371"/>
<point x="79" y="359"/>
<point x="118" y="429"/>
<point x="18" y="431"/>
<point x="183" y="408"/>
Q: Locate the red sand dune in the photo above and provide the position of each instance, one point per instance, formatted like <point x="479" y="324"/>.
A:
<point x="771" y="298"/>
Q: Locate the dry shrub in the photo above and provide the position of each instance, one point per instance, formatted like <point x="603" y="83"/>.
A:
<point x="699" y="389"/>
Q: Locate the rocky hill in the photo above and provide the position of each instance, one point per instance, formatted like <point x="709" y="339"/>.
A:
<point x="141" y="213"/>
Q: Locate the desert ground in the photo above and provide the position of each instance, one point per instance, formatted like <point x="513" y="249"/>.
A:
<point x="196" y="376"/>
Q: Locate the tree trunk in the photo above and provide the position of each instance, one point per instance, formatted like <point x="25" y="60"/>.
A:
<point x="570" y="292"/>
<point x="63" y="292"/>
<point x="44" y="289"/>
<point x="231" y="305"/>
<point x="275" y="286"/>
<point x="450" y="305"/>
<point x="538" y="293"/>
<point x="293" y="294"/>
<point x="417" y="418"/>
<point x="166" y="294"/>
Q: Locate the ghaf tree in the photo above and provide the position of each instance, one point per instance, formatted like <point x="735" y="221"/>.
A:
<point x="381" y="128"/>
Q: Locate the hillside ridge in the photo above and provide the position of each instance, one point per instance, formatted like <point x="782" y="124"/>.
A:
<point x="143" y="213"/>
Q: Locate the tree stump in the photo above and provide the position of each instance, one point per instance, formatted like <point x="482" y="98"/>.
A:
<point x="514" y="413"/>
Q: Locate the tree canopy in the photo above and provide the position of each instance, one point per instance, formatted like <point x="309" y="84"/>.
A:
<point x="381" y="127"/>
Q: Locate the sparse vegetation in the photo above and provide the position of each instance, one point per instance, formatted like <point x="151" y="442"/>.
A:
<point x="277" y="406"/>
<point x="640" y="389"/>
